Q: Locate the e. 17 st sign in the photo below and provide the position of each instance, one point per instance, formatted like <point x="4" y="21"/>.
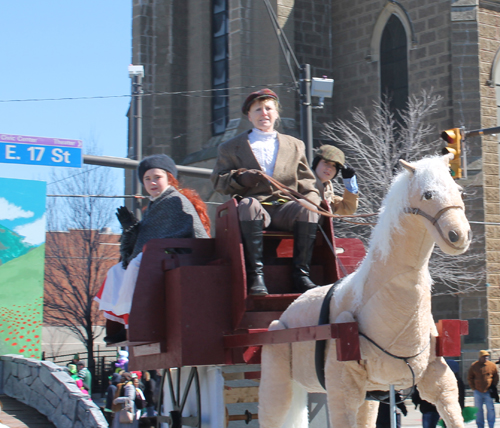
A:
<point x="40" y="151"/>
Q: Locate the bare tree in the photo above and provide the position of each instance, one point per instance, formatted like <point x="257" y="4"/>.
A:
<point x="374" y="147"/>
<point x="78" y="254"/>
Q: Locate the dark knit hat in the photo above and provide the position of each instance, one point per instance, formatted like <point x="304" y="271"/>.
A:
<point x="262" y="94"/>
<point x="157" y="161"/>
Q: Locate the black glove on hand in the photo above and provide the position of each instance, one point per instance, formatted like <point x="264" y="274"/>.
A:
<point x="348" y="172"/>
<point x="126" y="217"/>
<point x="250" y="178"/>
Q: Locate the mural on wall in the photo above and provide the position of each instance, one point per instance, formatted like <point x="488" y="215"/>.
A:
<point x="22" y="256"/>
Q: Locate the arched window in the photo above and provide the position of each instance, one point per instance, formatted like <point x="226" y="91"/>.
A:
<point x="394" y="64"/>
<point x="495" y="82"/>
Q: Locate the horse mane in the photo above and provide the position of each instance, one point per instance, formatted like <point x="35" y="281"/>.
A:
<point x="429" y="175"/>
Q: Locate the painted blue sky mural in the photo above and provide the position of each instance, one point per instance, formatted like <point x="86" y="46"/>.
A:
<point x="22" y="208"/>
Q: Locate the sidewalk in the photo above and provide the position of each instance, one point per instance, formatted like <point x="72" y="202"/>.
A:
<point x="414" y="417"/>
<point x="17" y="415"/>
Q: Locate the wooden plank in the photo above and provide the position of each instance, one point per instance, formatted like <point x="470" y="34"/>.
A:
<point x="244" y="394"/>
<point x="345" y="333"/>
<point x="299" y="334"/>
<point x="233" y="376"/>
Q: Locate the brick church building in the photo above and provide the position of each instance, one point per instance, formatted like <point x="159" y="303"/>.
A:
<point x="201" y="59"/>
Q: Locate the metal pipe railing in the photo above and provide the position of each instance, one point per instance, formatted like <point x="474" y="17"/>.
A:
<point x="116" y="162"/>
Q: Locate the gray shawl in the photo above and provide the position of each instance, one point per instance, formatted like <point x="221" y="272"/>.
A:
<point x="171" y="215"/>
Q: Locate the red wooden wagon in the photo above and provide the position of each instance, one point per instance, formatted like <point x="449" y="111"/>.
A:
<point x="191" y="309"/>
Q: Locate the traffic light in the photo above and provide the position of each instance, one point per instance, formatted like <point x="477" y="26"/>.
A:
<point x="453" y="138"/>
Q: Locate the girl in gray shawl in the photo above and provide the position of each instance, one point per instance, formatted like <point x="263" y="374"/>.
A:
<point x="171" y="213"/>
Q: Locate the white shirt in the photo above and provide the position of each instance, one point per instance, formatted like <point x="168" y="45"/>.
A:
<point x="265" y="149"/>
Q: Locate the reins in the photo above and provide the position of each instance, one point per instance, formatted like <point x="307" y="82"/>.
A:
<point x="295" y="196"/>
<point x="405" y="359"/>
<point x="320" y="348"/>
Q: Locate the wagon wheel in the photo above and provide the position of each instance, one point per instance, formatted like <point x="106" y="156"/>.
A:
<point x="178" y="417"/>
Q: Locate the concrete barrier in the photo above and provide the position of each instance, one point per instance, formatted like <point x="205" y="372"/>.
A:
<point x="49" y="389"/>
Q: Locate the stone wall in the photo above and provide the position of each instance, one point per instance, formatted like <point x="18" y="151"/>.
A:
<point x="49" y="389"/>
<point x="489" y="44"/>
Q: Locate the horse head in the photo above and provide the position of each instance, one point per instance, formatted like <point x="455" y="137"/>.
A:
<point x="437" y="198"/>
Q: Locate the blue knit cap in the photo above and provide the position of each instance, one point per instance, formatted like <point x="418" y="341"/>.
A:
<point x="157" y="161"/>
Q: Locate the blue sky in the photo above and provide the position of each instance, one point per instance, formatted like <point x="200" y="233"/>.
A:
<point x="65" y="49"/>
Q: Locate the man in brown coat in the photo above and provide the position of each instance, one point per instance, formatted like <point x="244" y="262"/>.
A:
<point x="482" y="375"/>
<point x="237" y="173"/>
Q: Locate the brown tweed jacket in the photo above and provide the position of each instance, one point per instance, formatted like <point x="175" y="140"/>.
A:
<point x="291" y="169"/>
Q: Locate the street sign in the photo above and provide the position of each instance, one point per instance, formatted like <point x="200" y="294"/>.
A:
<point x="40" y="151"/>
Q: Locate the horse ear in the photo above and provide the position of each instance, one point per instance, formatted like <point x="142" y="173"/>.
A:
<point x="447" y="158"/>
<point x="407" y="166"/>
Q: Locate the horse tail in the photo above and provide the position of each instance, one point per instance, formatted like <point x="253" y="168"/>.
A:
<point x="298" y="414"/>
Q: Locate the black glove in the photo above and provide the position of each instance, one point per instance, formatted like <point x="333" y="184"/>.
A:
<point x="348" y="172"/>
<point x="127" y="243"/>
<point x="126" y="217"/>
<point x="250" y="178"/>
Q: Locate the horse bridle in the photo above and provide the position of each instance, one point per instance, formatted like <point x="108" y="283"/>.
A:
<point x="434" y="220"/>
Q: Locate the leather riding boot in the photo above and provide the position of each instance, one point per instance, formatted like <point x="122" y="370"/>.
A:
<point x="304" y="235"/>
<point x="251" y="234"/>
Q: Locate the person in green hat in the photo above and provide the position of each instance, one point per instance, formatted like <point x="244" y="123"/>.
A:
<point x="327" y="163"/>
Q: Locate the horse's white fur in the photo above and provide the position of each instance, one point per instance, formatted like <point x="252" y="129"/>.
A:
<point x="394" y="268"/>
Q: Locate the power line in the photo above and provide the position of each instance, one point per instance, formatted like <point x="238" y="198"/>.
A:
<point x="116" y="197"/>
<point x="145" y="94"/>
<point x="98" y="196"/>
<point x="74" y="175"/>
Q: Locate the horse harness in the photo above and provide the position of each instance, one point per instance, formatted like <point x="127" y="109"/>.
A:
<point x="319" y="354"/>
<point x="434" y="220"/>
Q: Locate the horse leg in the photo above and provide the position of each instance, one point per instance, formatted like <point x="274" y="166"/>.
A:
<point x="367" y="414"/>
<point x="345" y="386"/>
<point x="275" y="390"/>
<point x="439" y="387"/>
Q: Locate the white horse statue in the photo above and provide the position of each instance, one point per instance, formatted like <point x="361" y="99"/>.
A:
<point x="389" y="296"/>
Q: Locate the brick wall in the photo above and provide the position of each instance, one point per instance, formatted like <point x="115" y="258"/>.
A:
<point x="489" y="43"/>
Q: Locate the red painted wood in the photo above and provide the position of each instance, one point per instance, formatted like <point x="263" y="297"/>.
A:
<point x="195" y="317"/>
<point x="252" y="375"/>
<point x="448" y="342"/>
<point x="149" y="294"/>
<point x="347" y="341"/>
<point x="298" y="334"/>
<point x="351" y="252"/>
<point x="252" y="355"/>
<point x="230" y="248"/>
<point x="464" y="327"/>
<point x="346" y="334"/>
<point x="187" y="303"/>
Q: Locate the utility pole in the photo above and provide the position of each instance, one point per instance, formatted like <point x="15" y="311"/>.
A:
<point x="306" y="128"/>
<point x="136" y="73"/>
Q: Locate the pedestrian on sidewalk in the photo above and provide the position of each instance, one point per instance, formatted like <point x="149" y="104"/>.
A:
<point x="482" y="375"/>
<point x="430" y="415"/>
